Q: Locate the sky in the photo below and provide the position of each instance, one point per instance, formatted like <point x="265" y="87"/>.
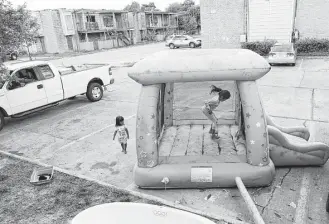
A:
<point x="90" y="4"/>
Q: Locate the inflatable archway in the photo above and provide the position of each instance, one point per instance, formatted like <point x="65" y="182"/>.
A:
<point x="159" y="166"/>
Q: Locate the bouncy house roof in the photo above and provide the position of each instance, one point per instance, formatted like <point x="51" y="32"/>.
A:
<point x="193" y="65"/>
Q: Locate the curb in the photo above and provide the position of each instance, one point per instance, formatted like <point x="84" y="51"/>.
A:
<point x="227" y="219"/>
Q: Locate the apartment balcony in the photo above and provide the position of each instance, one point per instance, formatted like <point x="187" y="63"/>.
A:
<point x="159" y="25"/>
<point x="91" y="26"/>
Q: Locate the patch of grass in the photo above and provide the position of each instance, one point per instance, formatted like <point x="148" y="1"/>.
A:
<point x="56" y="202"/>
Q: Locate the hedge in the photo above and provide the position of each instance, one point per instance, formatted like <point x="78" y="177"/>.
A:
<point x="307" y="46"/>
<point x="260" y="47"/>
<point x="312" y="45"/>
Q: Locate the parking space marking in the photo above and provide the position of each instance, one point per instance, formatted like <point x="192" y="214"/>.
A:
<point x="300" y="66"/>
<point x="91" y="134"/>
<point x="301" y="210"/>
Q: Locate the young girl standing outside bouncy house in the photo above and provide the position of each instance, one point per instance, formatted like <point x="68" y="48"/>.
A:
<point x="122" y="131"/>
<point x="212" y="104"/>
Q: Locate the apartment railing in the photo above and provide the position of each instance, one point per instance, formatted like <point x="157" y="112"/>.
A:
<point x="92" y="26"/>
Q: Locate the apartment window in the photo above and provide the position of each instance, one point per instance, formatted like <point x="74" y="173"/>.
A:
<point x="91" y="19"/>
<point x="69" y="22"/>
<point x="108" y="21"/>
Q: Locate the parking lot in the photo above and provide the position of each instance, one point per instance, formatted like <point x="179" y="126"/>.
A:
<point x="77" y="135"/>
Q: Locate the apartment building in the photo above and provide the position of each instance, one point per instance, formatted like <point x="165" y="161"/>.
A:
<point x="228" y="23"/>
<point x="56" y="33"/>
<point x="161" y="23"/>
<point x="99" y="29"/>
<point x="63" y="30"/>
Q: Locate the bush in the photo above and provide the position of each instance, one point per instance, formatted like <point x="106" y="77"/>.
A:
<point x="262" y="48"/>
<point x="312" y="45"/>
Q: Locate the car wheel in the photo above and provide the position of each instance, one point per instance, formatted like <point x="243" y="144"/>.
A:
<point x="192" y="45"/>
<point x="172" y="46"/>
<point x="72" y="98"/>
<point x="13" y="56"/>
<point x="94" y="92"/>
<point x="2" y="120"/>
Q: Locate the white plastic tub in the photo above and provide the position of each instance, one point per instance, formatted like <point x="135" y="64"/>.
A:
<point x="136" y="213"/>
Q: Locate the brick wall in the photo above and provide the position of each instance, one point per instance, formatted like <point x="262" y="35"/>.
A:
<point x="312" y="18"/>
<point x="51" y="44"/>
<point x="222" y="22"/>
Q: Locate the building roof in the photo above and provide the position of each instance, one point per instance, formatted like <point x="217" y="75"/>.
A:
<point x="101" y="11"/>
<point x="160" y="12"/>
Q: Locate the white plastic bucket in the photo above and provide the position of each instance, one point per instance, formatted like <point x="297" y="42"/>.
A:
<point x="136" y="213"/>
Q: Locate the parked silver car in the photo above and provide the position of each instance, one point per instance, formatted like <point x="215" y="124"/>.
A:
<point x="176" y="41"/>
<point x="282" y="54"/>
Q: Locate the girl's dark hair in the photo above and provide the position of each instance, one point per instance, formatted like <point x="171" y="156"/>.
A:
<point x="118" y="121"/>
<point x="225" y="94"/>
<point x="215" y="89"/>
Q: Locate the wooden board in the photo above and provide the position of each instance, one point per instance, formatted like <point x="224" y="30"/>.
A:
<point x="225" y="140"/>
<point x="181" y="141"/>
<point x="200" y="159"/>
<point x="194" y="146"/>
<point x="202" y="122"/>
<point x="185" y="113"/>
<point x="167" y="141"/>
<point x="210" y="146"/>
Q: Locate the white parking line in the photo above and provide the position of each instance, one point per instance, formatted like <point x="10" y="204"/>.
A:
<point x="91" y="134"/>
<point x="300" y="66"/>
<point x="301" y="210"/>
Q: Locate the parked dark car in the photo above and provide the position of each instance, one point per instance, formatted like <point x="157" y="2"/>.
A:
<point x="11" y="54"/>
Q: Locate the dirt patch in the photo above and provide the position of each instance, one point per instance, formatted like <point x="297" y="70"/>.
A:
<point x="56" y="202"/>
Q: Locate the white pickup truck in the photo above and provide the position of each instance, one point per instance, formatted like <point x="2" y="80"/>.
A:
<point x="36" y="85"/>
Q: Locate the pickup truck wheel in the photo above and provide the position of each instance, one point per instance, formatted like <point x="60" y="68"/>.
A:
<point x="94" y="92"/>
<point x="2" y="121"/>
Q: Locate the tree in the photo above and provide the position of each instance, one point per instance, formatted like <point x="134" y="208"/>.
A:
<point x="17" y="28"/>
<point x="175" y="7"/>
<point x="133" y="7"/>
<point x="189" y="18"/>
<point x="188" y="23"/>
<point x="149" y="7"/>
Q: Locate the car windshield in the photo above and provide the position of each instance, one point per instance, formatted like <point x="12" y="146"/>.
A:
<point x="282" y="48"/>
<point x="4" y="76"/>
<point x="188" y="37"/>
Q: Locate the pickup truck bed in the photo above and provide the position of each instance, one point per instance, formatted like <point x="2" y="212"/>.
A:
<point x="36" y="85"/>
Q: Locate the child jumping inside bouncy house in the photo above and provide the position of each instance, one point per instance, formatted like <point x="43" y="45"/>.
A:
<point x="123" y="133"/>
<point x="212" y="104"/>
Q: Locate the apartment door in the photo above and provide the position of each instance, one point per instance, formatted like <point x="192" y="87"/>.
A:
<point x="96" y="47"/>
<point x="43" y="46"/>
<point x="69" y="40"/>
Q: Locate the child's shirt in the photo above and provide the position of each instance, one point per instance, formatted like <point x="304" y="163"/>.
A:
<point x="213" y="103"/>
<point x="122" y="133"/>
